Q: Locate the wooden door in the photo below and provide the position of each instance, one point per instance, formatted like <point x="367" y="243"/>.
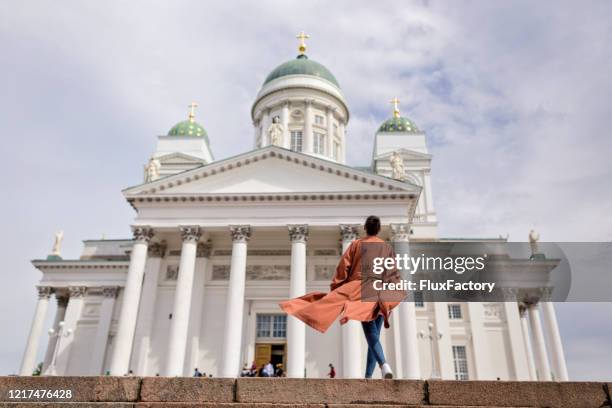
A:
<point x="263" y="354"/>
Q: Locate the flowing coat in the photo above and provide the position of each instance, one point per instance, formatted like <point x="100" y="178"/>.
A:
<point x="319" y="309"/>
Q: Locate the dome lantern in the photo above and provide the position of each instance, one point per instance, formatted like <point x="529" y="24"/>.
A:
<point x="398" y="123"/>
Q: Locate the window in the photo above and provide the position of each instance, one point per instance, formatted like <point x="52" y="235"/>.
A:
<point x="318" y="143"/>
<point x="454" y="312"/>
<point x="418" y="299"/>
<point x="460" y="362"/>
<point x="336" y="151"/>
<point x="271" y="325"/>
<point x="319" y="120"/>
<point x="296" y="140"/>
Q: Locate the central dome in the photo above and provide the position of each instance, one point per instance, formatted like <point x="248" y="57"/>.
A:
<point x="302" y="66"/>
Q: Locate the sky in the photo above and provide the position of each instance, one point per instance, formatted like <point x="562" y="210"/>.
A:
<point x="515" y="98"/>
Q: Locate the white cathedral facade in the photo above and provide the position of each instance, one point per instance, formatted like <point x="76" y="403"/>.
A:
<point x="218" y="243"/>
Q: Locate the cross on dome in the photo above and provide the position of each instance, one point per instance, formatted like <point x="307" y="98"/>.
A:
<point x="395" y="102"/>
<point x="302" y="37"/>
<point x="192" y="107"/>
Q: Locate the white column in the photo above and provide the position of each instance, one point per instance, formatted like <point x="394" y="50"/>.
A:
<point x="329" y="149"/>
<point x="342" y="130"/>
<point x="235" y="301"/>
<point x="179" y="325"/>
<point x="527" y="341"/>
<point x="146" y="308"/>
<point x="554" y="344"/>
<point x="517" y="343"/>
<point x="397" y="345"/>
<point x="400" y="236"/>
<point x="296" y="330"/>
<point x="285" y="123"/>
<point x="351" y="331"/>
<point x="101" y="339"/>
<point x="62" y="302"/>
<point x="197" y="305"/>
<point x="265" y="124"/>
<point x="28" y="362"/>
<point x="444" y="350"/>
<point x="307" y="147"/>
<point x="73" y="314"/>
<point x="129" y="306"/>
<point x="543" y="367"/>
<point x="480" y="345"/>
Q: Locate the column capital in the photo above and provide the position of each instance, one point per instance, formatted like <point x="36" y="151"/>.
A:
<point x="349" y="232"/>
<point x="190" y="233"/>
<point x="77" y="291"/>
<point x="308" y="101"/>
<point x="546" y="294"/>
<point x="44" y="292"/>
<point x="204" y="249"/>
<point x="285" y="104"/>
<point x="298" y="233"/>
<point x="142" y="234"/>
<point x="240" y="233"/>
<point x="510" y="294"/>
<point x="157" y="249"/>
<point x="62" y="301"/>
<point x="110" y="291"/>
<point x="400" y="232"/>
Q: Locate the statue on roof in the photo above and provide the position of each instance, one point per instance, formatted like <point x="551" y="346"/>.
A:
<point x="57" y="244"/>
<point x="152" y="170"/>
<point x="275" y="133"/>
<point x="398" y="170"/>
<point x="534" y="237"/>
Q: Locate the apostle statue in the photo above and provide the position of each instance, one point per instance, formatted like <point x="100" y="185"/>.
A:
<point x="275" y="133"/>
<point x="57" y="244"/>
<point x="398" y="171"/>
<point x="534" y="237"/>
<point x="152" y="170"/>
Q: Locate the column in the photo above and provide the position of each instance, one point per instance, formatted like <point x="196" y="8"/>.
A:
<point x="197" y="305"/>
<point x="179" y="326"/>
<point x="265" y="124"/>
<point x="62" y="302"/>
<point x="296" y="330"/>
<point x="480" y="345"/>
<point x="329" y="149"/>
<point x="28" y="363"/>
<point x="73" y="314"/>
<point x="513" y="326"/>
<point x="351" y="331"/>
<point x="543" y="367"/>
<point x="104" y="323"/>
<point x="528" y="350"/>
<point x="444" y="358"/>
<point x="553" y="338"/>
<point x="342" y="130"/>
<point x="400" y="235"/>
<point x="235" y="301"/>
<point x="285" y="123"/>
<point x="307" y="140"/>
<point x="131" y="298"/>
<point x="146" y="310"/>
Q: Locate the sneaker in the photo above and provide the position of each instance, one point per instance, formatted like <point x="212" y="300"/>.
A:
<point x="386" y="371"/>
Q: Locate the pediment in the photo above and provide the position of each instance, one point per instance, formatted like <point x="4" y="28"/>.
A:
<point x="271" y="170"/>
<point x="406" y="155"/>
<point x="178" y="158"/>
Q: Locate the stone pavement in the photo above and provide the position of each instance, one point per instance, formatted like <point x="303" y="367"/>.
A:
<point x="157" y="392"/>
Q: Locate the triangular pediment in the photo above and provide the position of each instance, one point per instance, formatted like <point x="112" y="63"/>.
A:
<point x="178" y="158"/>
<point x="406" y="155"/>
<point x="271" y="170"/>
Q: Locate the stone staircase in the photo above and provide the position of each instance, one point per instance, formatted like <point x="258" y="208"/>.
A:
<point x="154" y="392"/>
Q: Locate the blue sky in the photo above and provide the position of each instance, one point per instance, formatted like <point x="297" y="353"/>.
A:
<point x="514" y="97"/>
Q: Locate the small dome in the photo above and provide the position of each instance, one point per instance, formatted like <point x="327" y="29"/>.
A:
<point x="188" y="128"/>
<point x="302" y="66"/>
<point x="398" y="124"/>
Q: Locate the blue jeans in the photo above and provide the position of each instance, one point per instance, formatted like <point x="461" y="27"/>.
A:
<point x="371" y="330"/>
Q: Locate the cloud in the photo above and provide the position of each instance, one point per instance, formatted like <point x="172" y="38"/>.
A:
<point x="515" y="98"/>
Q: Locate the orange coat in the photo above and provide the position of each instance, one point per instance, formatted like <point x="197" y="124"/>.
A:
<point x="319" y="309"/>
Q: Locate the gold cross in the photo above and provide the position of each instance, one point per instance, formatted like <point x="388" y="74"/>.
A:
<point x="192" y="110"/>
<point x="302" y="37"/>
<point x="395" y="102"/>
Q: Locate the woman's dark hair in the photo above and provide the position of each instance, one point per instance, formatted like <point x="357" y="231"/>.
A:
<point x="372" y="225"/>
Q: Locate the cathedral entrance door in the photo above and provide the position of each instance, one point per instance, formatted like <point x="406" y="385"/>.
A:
<point x="269" y="352"/>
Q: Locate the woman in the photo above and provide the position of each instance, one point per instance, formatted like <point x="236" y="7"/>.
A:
<point x="319" y="310"/>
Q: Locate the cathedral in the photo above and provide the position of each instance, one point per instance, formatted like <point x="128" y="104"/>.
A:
<point x="218" y="243"/>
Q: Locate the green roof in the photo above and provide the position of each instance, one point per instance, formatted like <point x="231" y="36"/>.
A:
<point x="188" y="128"/>
<point x="302" y="66"/>
<point x="398" y="124"/>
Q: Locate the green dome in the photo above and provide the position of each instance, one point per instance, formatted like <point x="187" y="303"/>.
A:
<point x="188" y="128"/>
<point x="398" y="124"/>
<point x="302" y="66"/>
